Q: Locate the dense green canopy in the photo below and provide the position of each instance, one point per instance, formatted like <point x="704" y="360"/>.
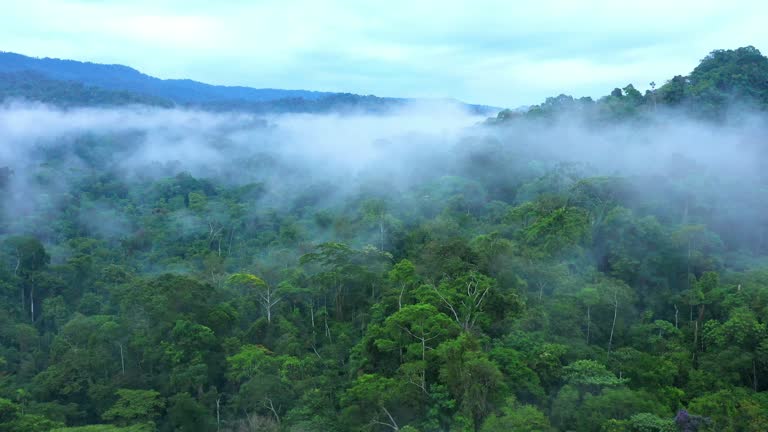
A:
<point x="500" y="289"/>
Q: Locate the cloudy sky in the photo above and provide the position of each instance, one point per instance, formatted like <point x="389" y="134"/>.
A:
<point x="504" y="53"/>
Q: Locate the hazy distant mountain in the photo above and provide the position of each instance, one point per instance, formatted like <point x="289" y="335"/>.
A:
<point x="88" y="83"/>
<point x="119" y="77"/>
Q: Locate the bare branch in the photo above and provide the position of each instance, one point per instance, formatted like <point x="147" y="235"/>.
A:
<point x="271" y="407"/>
<point x="393" y="424"/>
<point x="450" y="306"/>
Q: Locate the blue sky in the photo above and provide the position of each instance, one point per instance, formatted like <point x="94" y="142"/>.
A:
<point x="505" y="53"/>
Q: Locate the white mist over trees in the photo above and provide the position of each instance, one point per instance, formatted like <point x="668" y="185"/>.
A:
<point x="585" y="265"/>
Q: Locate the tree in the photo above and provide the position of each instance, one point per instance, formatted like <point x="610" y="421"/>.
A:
<point x="28" y="253"/>
<point x="557" y="231"/>
<point x="700" y="295"/>
<point x="608" y="292"/>
<point x="731" y="410"/>
<point x="375" y="210"/>
<point x="13" y="420"/>
<point x="251" y="285"/>
<point x="188" y="415"/>
<point x="424" y="324"/>
<point x="591" y="375"/>
<point x="643" y="422"/>
<point x="474" y="381"/>
<point x="589" y="296"/>
<point x="29" y="256"/>
<point x="403" y="277"/>
<point x="517" y="417"/>
<point x="465" y="298"/>
<point x="371" y="400"/>
<point x="262" y="382"/>
<point x="134" y="406"/>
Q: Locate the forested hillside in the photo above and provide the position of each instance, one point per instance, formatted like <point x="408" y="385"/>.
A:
<point x="71" y="83"/>
<point x="32" y="86"/>
<point x="583" y="266"/>
<point x="124" y="78"/>
<point x="726" y="82"/>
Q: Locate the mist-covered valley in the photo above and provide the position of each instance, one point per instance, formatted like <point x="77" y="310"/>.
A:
<point x="576" y="266"/>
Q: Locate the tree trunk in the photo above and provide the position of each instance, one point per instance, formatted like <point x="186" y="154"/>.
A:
<point x="122" y="359"/>
<point x="696" y="327"/>
<point x="268" y="300"/>
<point x="676" y="312"/>
<point x="424" y="360"/>
<point x="339" y="296"/>
<point x="695" y="336"/>
<point x="312" y="312"/>
<point x="615" y="311"/>
<point x="218" y="413"/>
<point x="231" y="235"/>
<point x="754" y="375"/>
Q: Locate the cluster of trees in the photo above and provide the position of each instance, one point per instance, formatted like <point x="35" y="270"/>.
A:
<point x="496" y="293"/>
<point x="725" y="81"/>
<point x="34" y="86"/>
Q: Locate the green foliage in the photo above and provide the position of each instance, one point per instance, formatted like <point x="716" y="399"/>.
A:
<point x="723" y="78"/>
<point x="185" y="413"/>
<point x="38" y="87"/>
<point x="29" y="254"/>
<point x="516" y="417"/>
<point x="503" y="288"/>
<point x="591" y="373"/>
<point x="643" y="422"/>
<point x="107" y="428"/>
<point x="735" y="409"/>
<point x="552" y="233"/>
<point x="134" y="406"/>
<point x="13" y="419"/>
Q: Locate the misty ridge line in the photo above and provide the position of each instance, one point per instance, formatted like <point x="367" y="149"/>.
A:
<point x="140" y="143"/>
<point x="73" y="83"/>
<point x="349" y="144"/>
<point x="343" y="135"/>
<point x="341" y="155"/>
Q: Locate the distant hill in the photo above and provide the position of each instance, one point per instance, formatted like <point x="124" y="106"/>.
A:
<point x="69" y="82"/>
<point x="35" y="86"/>
<point x="119" y="77"/>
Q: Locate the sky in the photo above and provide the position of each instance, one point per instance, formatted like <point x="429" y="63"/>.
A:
<point x="502" y="53"/>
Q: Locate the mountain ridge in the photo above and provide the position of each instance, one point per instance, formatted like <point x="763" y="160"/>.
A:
<point x="122" y="77"/>
<point x="184" y="91"/>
